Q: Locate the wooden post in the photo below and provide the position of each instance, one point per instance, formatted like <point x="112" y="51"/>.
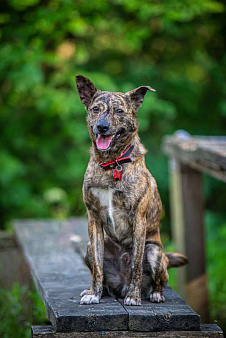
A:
<point x="177" y="218"/>
<point x="188" y="231"/>
<point x="14" y="268"/>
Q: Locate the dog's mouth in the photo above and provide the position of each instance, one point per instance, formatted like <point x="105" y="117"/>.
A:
<point x="103" y="142"/>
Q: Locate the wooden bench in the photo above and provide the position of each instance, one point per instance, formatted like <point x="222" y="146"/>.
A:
<point x="52" y="251"/>
<point x="189" y="157"/>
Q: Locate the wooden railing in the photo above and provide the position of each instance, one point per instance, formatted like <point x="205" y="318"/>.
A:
<point x="189" y="157"/>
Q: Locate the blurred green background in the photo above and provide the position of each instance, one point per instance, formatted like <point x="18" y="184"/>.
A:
<point x="177" y="47"/>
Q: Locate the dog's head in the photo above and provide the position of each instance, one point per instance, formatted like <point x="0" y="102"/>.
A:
<point x="112" y="118"/>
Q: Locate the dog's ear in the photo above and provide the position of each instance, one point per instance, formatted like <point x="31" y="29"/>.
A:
<point x="137" y="96"/>
<point x="86" y="89"/>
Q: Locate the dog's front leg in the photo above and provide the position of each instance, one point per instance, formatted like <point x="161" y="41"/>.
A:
<point x="133" y="296"/>
<point x="97" y="248"/>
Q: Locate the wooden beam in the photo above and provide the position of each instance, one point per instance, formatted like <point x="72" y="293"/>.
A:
<point x="60" y="275"/>
<point x="187" y="211"/>
<point x="177" y="220"/>
<point x="205" y="154"/>
<point x="207" y="331"/>
<point x="193" y="209"/>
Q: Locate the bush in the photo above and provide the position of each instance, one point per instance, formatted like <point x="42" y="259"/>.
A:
<point x="16" y="317"/>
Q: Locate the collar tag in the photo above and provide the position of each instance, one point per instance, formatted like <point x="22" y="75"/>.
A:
<point x="116" y="165"/>
<point x="117" y="174"/>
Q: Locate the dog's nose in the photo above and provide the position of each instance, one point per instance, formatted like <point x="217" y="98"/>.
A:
<point x="103" y="126"/>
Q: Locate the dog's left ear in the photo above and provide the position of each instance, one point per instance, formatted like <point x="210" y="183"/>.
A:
<point x="137" y="95"/>
<point x="86" y="89"/>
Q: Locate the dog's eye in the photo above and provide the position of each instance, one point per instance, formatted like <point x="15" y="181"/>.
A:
<point x="96" y="109"/>
<point x="119" y="111"/>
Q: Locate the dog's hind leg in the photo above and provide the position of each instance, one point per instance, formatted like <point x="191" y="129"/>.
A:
<point x="114" y="274"/>
<point x="156" y="263"/>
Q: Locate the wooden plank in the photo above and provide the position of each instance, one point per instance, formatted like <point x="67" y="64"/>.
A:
<point x="60" y="276"/>
<point x="207" y="331"/>
<point x="205" y="154"/>
<point x="174" y="314"/>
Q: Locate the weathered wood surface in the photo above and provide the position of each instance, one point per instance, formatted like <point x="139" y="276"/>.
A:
<point x="189" y="157"/>
<point x="207" y="331"/>
<point x="174" y="313"/>
<point x="16" y="272"/>
<point x="14" y="269"/>
<point x="206" y="154"/>
<point x="60" y="276"/>
<point x="193" y="210"/>
<point x="187" y="212"/>
<point x="177" y="221"/>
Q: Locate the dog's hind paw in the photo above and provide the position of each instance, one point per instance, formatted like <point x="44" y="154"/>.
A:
<point x="134" y="301"/>
<point x="89" y="299"/>
<point x="157" y="297"/>
<point x="85" y="292"/>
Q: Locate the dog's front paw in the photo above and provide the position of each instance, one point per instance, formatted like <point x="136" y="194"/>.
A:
<point x="89" y="299"/>
<point x="131" y="300"/>
<point x="157" y="297"/>
<point x="85" y="292"/>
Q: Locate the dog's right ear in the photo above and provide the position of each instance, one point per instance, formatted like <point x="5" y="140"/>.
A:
<point x="137" y="95"/>
<point x="86" y="89"/>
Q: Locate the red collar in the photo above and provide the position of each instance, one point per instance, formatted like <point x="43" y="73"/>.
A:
<point x="117" y="164"/>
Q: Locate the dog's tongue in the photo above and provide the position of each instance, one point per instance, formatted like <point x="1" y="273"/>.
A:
<point x="103" y="142"/>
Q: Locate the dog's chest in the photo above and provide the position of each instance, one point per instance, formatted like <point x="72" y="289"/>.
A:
<point x="114" y="218"/>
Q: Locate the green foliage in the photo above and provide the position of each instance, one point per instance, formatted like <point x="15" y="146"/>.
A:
<point x="216" y="253"/>
<point x="15" y="319"/>
<point x="39" y="316"/>
<point x="120" y="45"/>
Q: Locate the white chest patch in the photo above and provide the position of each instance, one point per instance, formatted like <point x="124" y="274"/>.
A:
<point x="105" y="197"/>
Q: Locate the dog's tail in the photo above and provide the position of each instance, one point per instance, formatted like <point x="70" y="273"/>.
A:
<point x="176" y="260"/>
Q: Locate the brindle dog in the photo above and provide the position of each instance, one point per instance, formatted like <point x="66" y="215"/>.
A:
<point x="117" y="268"/>
<point x="128" y="211"/>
